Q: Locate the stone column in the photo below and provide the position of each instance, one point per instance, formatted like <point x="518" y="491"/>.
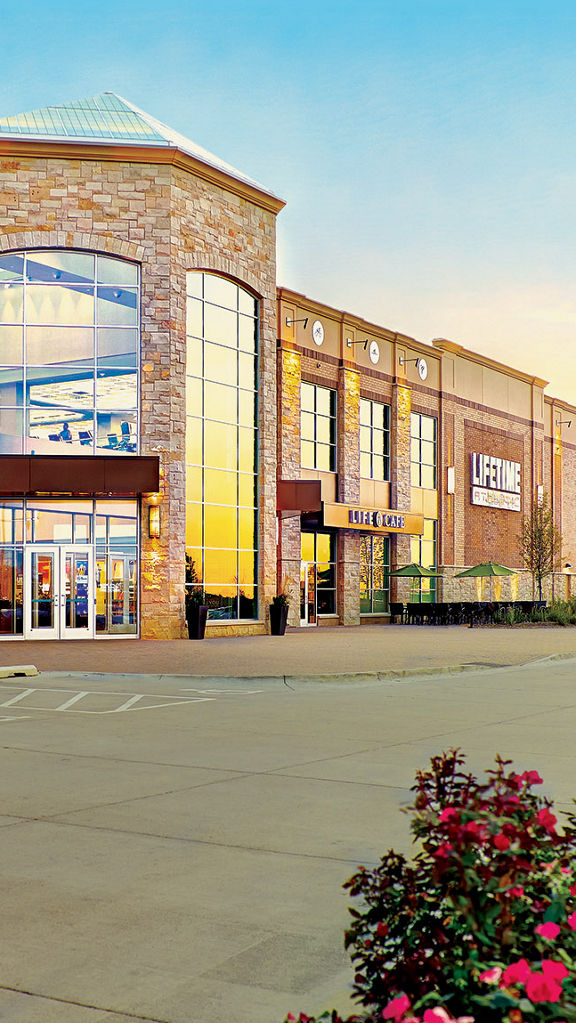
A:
<point x="400" y="482"/>
<point x="288" y="550"/>
<point x="348" y="447"/>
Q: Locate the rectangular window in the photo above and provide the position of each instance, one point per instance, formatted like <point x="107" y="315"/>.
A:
<point x="424" y="551"/>
<point x="423" y="451"/>
<point x="374" y="574"/>
<point x="374" y="440"/>
<point x="317" y="427"/>
<point x="319" y="549"/>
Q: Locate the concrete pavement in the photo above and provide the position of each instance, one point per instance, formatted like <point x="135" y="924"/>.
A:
<point x="173" y="851"/>
<point x="303" y="652"/>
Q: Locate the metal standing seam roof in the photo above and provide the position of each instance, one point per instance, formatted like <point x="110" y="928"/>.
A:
<point x="109" y="118"/>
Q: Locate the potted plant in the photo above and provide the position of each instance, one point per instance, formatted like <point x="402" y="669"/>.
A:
<point x="195" y="610"/>
<point x="196" y="614"/>
<point x="279" y="614"/>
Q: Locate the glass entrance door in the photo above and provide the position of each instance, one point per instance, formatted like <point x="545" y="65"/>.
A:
<point x="59" y="593"/>
<point x="308" y="593"/>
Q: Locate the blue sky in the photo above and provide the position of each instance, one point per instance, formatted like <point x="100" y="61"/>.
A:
<point x="426" y="149"/>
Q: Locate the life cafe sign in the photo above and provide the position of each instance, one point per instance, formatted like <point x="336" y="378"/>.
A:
<point x="382" y="520"/>
<point x="495" y="482"/>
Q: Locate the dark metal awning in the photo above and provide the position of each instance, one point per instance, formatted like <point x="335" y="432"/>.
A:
<point x="294" y="497"/>
<point x="79" y="475"/>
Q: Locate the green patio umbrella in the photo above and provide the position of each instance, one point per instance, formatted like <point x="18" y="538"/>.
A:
<point x="415" y="571"/>
<point x="487" y="569"/>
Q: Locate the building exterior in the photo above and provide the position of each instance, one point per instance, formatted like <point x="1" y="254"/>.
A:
<point x="172" y="422"/>
<point x="391" y="452"/>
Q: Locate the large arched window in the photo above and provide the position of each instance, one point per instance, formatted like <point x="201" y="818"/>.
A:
<point x="69" y="353"/>
<point x="221" y="446"/>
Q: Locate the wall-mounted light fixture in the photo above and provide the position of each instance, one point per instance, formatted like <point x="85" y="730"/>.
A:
<point x="567" y="567"/>
<point x="350" y="342"/>
<point x="404" y="362"/>
<point x="563" y="422"/>
<point x="290" y="322"/>
<point x="154" y="521"/>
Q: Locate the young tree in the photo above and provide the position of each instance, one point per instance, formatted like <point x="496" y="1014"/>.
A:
<point x="540" y="542"/>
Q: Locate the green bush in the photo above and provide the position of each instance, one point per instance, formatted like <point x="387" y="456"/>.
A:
<point x="482" y="922"/>
<point x="561" y="612"/>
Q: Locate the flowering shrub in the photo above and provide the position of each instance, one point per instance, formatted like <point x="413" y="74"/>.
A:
<point x="482" y="923"/>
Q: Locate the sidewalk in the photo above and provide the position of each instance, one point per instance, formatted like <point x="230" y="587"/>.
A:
<point x="383" y="649"/>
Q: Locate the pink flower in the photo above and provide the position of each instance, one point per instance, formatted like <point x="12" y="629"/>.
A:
<point x="475" y="829"/>
<point x="491" y="976"/>
<point x="572" y="921"/>
<point x="450" y="813"/>
<point x="540" y="988"/>
<point x="557" y="971"/>
<point x="516" y="973"/>
<point x="436" y="1015"/>
<point x="532" y="778"/>
<point x="501" y="842"/>
<point x="546" y="819"/>
<point x="549" y="930"/>
<point x="516" y="891"/>
<point x="572" y="889"/>
<point x="442" y="851"/>
<point x="396" y="1008"/>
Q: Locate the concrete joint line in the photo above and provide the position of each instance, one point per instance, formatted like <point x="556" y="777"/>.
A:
<point x="82" y="1005"/>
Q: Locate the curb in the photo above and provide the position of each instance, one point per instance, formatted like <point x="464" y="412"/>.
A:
<point x="391" y="675"/>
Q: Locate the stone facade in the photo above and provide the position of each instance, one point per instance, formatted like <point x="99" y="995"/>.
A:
<point x="169" y="219"/>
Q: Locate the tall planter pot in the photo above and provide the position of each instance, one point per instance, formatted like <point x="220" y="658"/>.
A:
<point x="278" y="619"/>
<point x="196" y="621"/>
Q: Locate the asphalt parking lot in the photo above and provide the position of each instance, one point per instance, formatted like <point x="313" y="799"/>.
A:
<point x="174" y="850"/>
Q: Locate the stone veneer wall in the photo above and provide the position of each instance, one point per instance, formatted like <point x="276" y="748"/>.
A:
<point x="169" y="221"/>
<point x="288" y="412"/>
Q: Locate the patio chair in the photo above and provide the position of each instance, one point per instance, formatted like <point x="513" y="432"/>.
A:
<point x="397" y="610"/>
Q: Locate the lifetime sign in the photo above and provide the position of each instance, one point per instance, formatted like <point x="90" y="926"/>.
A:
<point x="376" y="519"/>
<point x="495" y="482"/>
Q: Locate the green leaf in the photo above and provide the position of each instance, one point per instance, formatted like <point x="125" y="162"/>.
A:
<point x="554" y="913"/>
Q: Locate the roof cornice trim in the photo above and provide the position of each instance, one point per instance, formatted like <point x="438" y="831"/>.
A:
<point x="148" y="154"/>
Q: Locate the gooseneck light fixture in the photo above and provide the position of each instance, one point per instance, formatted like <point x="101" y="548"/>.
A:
<point x="290" y="321"/>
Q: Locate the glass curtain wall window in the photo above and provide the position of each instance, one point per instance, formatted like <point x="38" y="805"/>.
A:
<point x="374" y="440"/>
<point x="318" y="427"/>
<point x="221" y="446"/>
<point x="106" y="530"/>
<point x="69" y="353"/>
<point x="424" y="551"/>
<point x="374" y="574"/>
<point x="423" y="450"/>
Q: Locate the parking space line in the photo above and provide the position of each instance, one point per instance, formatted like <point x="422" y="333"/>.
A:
<point x="16" y="699"/>
<point x="73" y="699"/>
<point x="129" y="703"/>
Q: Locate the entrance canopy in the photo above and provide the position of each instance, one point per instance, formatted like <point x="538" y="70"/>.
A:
<point x="86" y="476"/>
